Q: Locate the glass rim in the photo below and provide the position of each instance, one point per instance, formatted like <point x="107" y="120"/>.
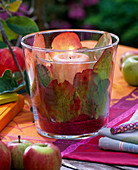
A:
<point x="69" y="30"/>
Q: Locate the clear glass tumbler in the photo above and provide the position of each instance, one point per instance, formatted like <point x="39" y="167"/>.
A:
<point x="70" y="77"/>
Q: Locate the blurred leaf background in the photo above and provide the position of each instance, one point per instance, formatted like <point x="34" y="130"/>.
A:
<point x="116" y="16"/>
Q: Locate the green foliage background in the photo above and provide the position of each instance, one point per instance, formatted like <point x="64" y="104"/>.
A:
<point x="117" y="16"/>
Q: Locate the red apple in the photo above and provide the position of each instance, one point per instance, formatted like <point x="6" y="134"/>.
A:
<point x="42" y="156"/>
<point x="17" y="149"/>
<point x="5" y="157"/>
<point x="7" y="61"/>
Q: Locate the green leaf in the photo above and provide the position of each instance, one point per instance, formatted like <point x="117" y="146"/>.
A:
<point x="100" y="97"/>
<point x="17" y="76"/>
<point x="13" y="7"/>
<point x="43" y="75"/>
<point x="104" y="65"/>
<point x="10" y="34"/>
<point x="93" y="93"/>
<point x="104" y="40"/>
<point x="2" y="44"/>
<point x="22" y="25"/>
<point x="27" y="84"/>
<point x="9" y="83"/>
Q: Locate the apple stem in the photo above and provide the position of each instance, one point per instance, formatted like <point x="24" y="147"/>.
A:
<point x="19" y="138"/>
<point x="5" y="39"/>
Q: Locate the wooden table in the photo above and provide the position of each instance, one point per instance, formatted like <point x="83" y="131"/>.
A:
<point x="83" y="165"/>
<point x="24" y="120"/>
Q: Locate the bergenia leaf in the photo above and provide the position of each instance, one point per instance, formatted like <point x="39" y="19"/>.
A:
<point x="92" y="90"/>
<point x="83" y="83"/>
<point x="99" y="97"/>
<point x="61" y="101"/>
<point x="104" y="40"/>
<point x="29" y="59"/>
<point x="65" y="41"/>
<point x="103" y="67"/>
<point x="43" y="75"/>
<point x="38" y="99"/>
<point x="39" y="42"/>
<point x="100" y="110"/>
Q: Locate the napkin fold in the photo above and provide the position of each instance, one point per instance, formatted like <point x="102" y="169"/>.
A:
<point x="126" y="141"/>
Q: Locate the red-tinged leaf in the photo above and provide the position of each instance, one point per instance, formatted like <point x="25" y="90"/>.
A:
<point x="104" y="40"/>
<point x="66" y="41"/>
<point x="61" y="101"/>
<point x="37" y="99"/>
<point x="28" y="58"/>
<point x="83" y="82"/>
<point x="103" y="67"/>
<point x="39" y="42"/>
<point x="92" y="90"/>
<point x="30" y="65"/>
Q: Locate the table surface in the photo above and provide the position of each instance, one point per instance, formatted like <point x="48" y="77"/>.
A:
<point x="119" y="89"/>
<point x="119" y="84"/>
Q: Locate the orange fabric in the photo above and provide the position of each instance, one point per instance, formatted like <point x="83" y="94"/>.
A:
<point x="10" y="110"/>
<point x="23" y="123"/>
<point x="120" y="88"/>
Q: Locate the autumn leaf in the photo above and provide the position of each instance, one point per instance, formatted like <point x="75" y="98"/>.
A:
<point x="103" y="67"/>
<point x="92" y="90"/>
<point x="83" y="82"/>
<point x="61" y="101"/>
<point x="104" y="40"/>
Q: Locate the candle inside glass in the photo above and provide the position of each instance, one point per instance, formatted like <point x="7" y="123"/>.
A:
<point x="68" y="64"/>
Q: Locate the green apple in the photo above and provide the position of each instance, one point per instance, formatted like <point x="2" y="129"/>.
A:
<point x="17" y="149"/>
<point x="126" y="56"/>
<point x="130" y="70"/>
